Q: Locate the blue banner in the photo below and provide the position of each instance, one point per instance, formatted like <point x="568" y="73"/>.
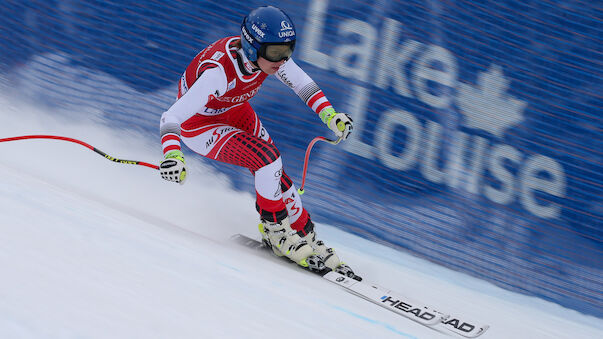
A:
<point x="477" y="140"/>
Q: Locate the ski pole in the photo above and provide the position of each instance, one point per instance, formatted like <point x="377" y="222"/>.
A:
<point x="141" y="163"/>
<point x="314" y="141"/>
<point x="55" y="137"/>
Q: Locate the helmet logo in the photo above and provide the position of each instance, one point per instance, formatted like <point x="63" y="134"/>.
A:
<point x="246" y="35"/>
<point x="257" y="30"/>
<point x="285" y="25"/>
<point x="286" y="34"/>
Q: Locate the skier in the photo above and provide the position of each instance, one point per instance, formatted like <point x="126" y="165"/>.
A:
<point x="213" y="117"/>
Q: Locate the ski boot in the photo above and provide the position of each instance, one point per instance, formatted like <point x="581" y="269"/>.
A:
<point x="284" y="241"/>
<point x="330" y="258"/>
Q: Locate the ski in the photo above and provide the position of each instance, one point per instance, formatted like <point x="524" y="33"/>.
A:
<point x="389" y="299"/>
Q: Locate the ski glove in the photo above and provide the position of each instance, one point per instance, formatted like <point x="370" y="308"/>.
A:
<point x="340" y="123"/>
<point x="172" y="168"/>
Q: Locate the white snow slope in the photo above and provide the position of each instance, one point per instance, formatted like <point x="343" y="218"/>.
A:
<point x="94" y="249"/>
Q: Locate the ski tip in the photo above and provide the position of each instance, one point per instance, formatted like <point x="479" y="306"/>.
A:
<point x="482" y="330"/>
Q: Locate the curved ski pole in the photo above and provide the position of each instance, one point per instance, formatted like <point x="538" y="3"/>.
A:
<point x="55" y="137"/>
<point x="314" y="141"/>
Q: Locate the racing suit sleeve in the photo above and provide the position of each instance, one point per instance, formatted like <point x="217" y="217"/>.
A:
<point x="210" y="82"/>
<point x="293" y="76"/>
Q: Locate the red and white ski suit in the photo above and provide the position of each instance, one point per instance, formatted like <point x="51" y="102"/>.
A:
<point x="213" y="117"/>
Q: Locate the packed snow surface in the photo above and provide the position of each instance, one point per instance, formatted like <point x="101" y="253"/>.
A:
<point x="96" y="249"/>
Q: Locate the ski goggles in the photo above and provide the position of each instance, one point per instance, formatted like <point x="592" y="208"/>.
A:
<point x="277" y="52"/>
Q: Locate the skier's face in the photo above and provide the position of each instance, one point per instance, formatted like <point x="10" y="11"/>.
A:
<point x="269" y="67"/>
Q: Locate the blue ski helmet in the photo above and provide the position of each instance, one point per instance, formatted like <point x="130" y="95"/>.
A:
<point x="269" y="33"/>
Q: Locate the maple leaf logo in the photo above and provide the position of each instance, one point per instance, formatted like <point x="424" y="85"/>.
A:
<point x="486" y="106"/>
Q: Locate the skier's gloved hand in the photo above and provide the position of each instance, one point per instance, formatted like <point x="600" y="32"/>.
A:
<point x="340" y="123"/>
<point x="172" y="168"/>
